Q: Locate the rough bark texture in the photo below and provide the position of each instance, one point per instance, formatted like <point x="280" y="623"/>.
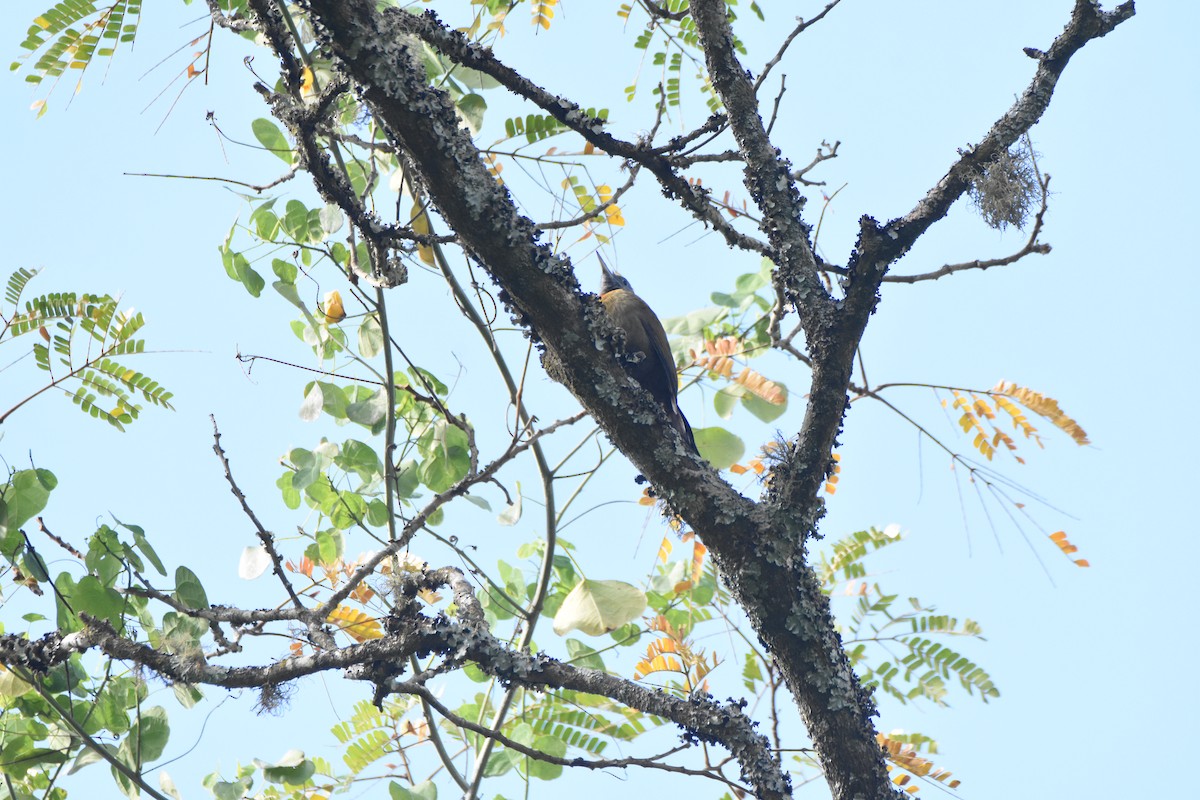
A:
<point x="759" y="547"/>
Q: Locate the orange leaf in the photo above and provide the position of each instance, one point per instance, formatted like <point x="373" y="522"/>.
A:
<point x="334" y="311"/>
<point x="356" y="624"/>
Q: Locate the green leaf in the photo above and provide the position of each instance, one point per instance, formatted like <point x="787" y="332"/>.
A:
<point x="425" y="790"/>
<point x="287" y="487"/>
<point x="544" y="770"/>
<point x="186" y="694"/>
<point x="767" y="412"/>
<point x="473" y="79"/>
<point x="331" y="219"/>
<point x="293" y="769"/>
<point x="370" y="412"/>
<point x="408" y="478"/>
<point x="98" y="600"/>
<point x="246" y="274"/>
<point x="149" y="736"/>
<point x="581" y="655"/>
<point x="447" y="456"/>
<point x="719" y="447"/>
<point x="269" y="135"/>
<point x="333" y="400"/>
<point x="599" y="607"/>
<point x="284" y="270"/>
<point x="370" y="337"/>
<point x="694" y="323"/>
<point x="67" y="621"/>
<point x="348" y="512"/>
<point x="725" y="401"/>
<point x="25" y="496"/>
<point x="189" y="590"/>
<point x="472" y="107"/>
<point x="142" y="544"/>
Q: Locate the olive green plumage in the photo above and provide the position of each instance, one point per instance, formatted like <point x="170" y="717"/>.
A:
<point x="655" y="371"/>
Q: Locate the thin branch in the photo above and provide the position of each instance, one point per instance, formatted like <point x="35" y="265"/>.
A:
<point x="655" y="10"/>
<point x="435" y="736"/>
<point x="598" y="210"/>
<point x="411" y="687"/>
<point x="264" y="536"/>
<point x="1031" y="246"/>
<point x="257" y="188"/>
<point x="799" y="29"/>
<point x="825" y="152"/>
<point x="457" y="47"/>
<point x="89" y="741"/>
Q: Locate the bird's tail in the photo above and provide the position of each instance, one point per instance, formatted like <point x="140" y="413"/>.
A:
<point x="685" y="429"/>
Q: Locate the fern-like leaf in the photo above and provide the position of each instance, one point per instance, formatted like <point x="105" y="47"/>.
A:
<point x="71" y="33"/>
<point x="16" y="285"/>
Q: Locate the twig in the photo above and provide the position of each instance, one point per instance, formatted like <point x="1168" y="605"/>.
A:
<point x="1031" y="246"/>
<point x="264" y="536"/>
<point x="799" y="29"/>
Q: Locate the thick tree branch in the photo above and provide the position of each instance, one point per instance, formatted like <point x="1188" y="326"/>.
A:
<point x="458" y="48"/>
<point x="411" y="633"/>
<point x="759" y="549"/>
<point x="1087" y="22"/>
<point x="1032" y="246"/>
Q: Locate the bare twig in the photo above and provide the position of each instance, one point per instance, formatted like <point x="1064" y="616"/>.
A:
<point x="264" y="536"/>
<point x="801" y="27"/>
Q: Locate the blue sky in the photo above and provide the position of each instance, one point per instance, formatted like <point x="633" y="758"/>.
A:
<point x="1087" y="660"/>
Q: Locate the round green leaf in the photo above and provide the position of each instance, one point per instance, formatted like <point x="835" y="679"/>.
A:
<point x="598" y="607"/>
<point x="767" y="412"/>
<point x="188" y="589"/>
<point x="718" y="446"/>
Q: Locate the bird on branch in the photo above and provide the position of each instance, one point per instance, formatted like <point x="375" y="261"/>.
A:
<point x="644" y="334"/>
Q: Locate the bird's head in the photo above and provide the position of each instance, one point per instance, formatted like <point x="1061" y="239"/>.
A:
<point x="611" y="281"/>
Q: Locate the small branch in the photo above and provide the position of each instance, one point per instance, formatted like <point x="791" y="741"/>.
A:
<point x="90" y="742"/>
<point x="65" y="545"/>
<point x="222" y="20"/>
<point x="825" y="152"/>
<point x="659" y="12"/>
<point x="410" y="687"/>
<point x="598" y="210"/>
<point x="264" y="536"/>
<point x="799" y="29"/>
<point x="257" y="188"/>
<point x="456" y="47"/>
<point x="1031" y="246"/>
<point x="435" y="736"/>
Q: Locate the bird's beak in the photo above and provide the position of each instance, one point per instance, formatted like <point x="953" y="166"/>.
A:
<point x="608" y="273"/>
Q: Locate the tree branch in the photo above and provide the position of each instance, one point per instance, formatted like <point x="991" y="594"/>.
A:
<point x="411" y="633"/>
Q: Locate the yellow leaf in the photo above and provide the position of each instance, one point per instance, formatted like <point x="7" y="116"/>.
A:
<point x="656" y="664"/>
<point x="357" y="625"/>
<point x="420" y="224"/>
<point x="333" y="309"/>
<point x="698" y="553"/>
<point x="42" y="23"/>
<point x="664" y="550"/>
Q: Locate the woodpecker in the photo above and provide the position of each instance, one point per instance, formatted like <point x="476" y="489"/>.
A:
<point x="644" y="334"/>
